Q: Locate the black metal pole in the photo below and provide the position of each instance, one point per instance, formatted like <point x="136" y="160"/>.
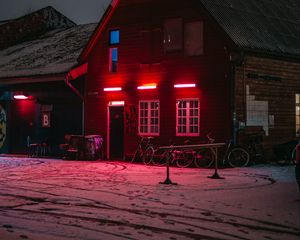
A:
<point x="168" y="180"/>
<point x="216" y="175"/>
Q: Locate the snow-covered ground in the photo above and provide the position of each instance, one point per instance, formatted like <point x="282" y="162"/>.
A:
<point x="48" y="199"/>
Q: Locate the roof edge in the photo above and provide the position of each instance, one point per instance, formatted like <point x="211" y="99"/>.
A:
<point x="269" y="54"/>
<point x="4" y="81"/>
<point x="96" y="34"/>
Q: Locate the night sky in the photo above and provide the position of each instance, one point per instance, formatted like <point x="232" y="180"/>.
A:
<point x="79" y="11"/>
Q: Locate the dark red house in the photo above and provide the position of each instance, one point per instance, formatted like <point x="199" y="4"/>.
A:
<point x="180" y="69"/>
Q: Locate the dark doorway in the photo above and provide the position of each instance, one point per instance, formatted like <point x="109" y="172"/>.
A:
<point x="116" y="134"/>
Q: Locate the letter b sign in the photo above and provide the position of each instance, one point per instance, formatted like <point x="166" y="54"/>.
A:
<point x="46" y="120"/>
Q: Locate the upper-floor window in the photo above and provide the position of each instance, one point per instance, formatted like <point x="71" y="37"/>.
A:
<point x="114" y="41"/>
<point x="114" y="37"/>
<point x="297" y="115"/>
<point x="151" y="46"/>
<point x="173" y="30"/>
<point x="187" y="117"/>
<point x="193" y="38"/>
<point x="113" y="59"/>
<point x="149" y="117"/>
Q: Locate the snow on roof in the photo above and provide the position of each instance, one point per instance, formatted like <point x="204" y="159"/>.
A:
<point x="52" y="53"/>
<point x="269" y="26"/>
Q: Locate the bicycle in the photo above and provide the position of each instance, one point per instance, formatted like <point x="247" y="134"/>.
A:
<point x="255" y="147"/>
<point x="182" y="158"/>
<point x="159" y="157"/>
<point x="139" y="153"/>
<point x="234" y="156"/>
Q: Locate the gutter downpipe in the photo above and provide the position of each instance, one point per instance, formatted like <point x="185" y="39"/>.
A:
<point x="234" y="61"/>
<point x="67" y="81"/>
<point x="232" y="101"/>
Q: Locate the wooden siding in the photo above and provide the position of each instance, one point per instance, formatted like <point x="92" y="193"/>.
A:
<point x="209" y="71"/>
<point x="279" y="91"/>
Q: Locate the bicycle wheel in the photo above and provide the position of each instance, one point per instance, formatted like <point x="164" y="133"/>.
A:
<point x="136" y="156"/>
<point x="203" y="158"/>
<point x="238" y="157"/>
<point x="183" y="158"/>
<point x="160" y="157"/>
<point x="148" y="155"/>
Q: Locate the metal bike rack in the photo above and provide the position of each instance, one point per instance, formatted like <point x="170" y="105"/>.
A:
<point x="212" y="146"/>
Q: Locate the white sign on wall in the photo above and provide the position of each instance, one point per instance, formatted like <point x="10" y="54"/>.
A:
<point x="46" y="120"/>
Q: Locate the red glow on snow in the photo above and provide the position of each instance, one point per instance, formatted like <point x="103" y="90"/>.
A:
<point x="147" y="86"/>
<point x="113" y="89"/>
<point x="20" y="97"/>
<point x="186" y="85"/>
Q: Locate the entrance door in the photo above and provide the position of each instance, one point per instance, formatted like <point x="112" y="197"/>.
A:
<point x="116" y="132"/>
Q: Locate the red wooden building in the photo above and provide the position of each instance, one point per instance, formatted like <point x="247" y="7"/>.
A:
<point x="180" y="69"/>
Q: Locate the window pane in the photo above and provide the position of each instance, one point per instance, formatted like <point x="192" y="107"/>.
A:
<point x="149" y="116"/>
<point x="114" y="37"/>
<point x="193" y="38"/>
<point x="114" y="54"/>
<point x="187" y="117"/>
<point x="113" y="59"/>
<point x="173" y="34"/>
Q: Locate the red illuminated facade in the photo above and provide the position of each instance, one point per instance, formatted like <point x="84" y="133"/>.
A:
<point x="165" y="69"/>
<point x="170" y="90"/>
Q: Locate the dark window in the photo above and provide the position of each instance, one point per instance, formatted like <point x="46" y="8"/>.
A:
<point x="173" y="34"/>
<point x="114" y="37"/>
<point x="151" y="46"/>
<point x="193" y="38"/>
<point x="145" y="47"/>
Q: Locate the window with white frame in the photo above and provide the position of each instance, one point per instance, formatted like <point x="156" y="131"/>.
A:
<point x="187" y="117"/>
<point x="297" y="115"/>
<point x="149" y="118"/>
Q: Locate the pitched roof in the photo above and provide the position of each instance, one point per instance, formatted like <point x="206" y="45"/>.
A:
<point x="52" y="53"/>
<point x="30" y="26"/>
<point x="264" y="25"/>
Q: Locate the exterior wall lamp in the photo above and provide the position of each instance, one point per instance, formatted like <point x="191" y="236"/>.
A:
<point x="112" y="89"/>
<point x="146" y="87"/>
<point x="20" y="97"/>
<point x="186" y="85"/>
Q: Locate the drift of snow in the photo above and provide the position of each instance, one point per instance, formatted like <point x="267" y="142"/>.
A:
<point x="54" y="199"/>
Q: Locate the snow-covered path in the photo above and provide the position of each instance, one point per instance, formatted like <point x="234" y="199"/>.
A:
<point x="54" y="199"/>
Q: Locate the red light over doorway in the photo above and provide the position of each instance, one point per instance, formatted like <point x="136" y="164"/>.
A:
<point x="20" y="97"/>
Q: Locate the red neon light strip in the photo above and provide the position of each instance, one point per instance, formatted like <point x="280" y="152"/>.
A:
<point x="187" y="85"/>
<point x="20" y="97"/>
<point x="114" y="89"/>
<point x="145" y="87"/>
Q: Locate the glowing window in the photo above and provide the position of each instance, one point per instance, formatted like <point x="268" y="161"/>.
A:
<point x="114" y="37"/>
<point x="149" y="118"/>
<point x="113" y="59"/>
<point x="298" y="115"/>
<point x="187" y="117"/>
